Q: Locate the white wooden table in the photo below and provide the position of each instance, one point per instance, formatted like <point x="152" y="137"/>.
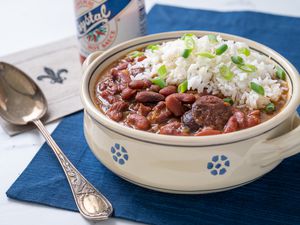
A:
<point x="30" y="23"/>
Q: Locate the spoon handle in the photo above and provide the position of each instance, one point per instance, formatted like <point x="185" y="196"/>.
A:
<point x="91" y="204"/>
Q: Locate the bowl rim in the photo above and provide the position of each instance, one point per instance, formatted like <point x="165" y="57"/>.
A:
<point x="196" y="141"/>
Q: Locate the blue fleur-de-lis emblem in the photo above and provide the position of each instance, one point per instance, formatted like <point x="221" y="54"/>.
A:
<point x="119" y="154"/>
<point x="218" y="165"/>
<point x="55" y="77"/>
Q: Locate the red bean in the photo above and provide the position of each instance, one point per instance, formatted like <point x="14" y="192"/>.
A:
<point x="109" y="85"/>
<point x="136" y="71"/>
<point x="116" y="110"/>
<point x="154" y="88"/>
<point x="174" y="105"/>
<point x="121" y="75"/>
<point x="139" y="84"/>
<point x="208" y="131"/>
<point x="168" y="90"/>
<point x="138" y="121"/>
<point x="122" y="66"/>
<point x="108" y="96"/>
<point x="171" y="128"/>
<point x="144" y="110"/>
<point x="124" y="76"/>
<point x="149" y="96"/>
<point x="232" y="125"/>
<point x="185" y="98"/>
<point x="129" y="59"/>
<point x="114" y="73"/>
<point x="141" y="58"/>
<point x="159" y="113"/>
<point x="147" y="83"/>
<point x="128" y="93"/>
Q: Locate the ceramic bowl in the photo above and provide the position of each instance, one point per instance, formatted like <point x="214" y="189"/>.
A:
<point x="189" y="164"/>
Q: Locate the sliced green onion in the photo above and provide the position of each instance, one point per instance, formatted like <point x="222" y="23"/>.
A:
<point x="135" y="54"/>
<point x="183" y="87"/>
<point x="226" y="73"/>
<point x="280" y="74"/>
<point x="206" y="54"/>
<point x="186" y="53"/>
<point x="152" y="47"/>
<point x="212" y="38"/>
<point x="270" y="107"/>
<point x="162" y="71"/>
<point x="244" y="51"/>
<point x="189" y="44"/>
<point x="158" y="81"/>
<point x="257" y="88"/>
<point x="247" y="68"/>
<point x="220" y="50"/>
<point x="187" y="35"/>
<point x="228" y="100"/>
<point x="237" y="60"/>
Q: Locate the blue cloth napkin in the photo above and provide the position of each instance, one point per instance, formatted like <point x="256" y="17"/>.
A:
<point x="273" y="199"/>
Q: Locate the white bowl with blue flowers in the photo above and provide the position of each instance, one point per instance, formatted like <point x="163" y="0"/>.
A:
<point x="189" y="164"/>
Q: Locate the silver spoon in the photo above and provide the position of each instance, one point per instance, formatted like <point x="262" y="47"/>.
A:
<point x="22" y="102"/>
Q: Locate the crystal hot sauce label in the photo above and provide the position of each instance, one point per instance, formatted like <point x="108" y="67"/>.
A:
<point x="103" y="23"/>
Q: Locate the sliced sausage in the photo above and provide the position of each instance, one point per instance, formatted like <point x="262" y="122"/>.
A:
<point x="210" y="111"/>
<point x="253" y="118"/>
<point x="208" y="131"/>
<point x="241" y="119"/>
<point x="188" y="120"/>
<point x="232" y="125"/>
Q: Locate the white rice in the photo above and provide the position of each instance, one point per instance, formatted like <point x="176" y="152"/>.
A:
<point x="203" y="73"/>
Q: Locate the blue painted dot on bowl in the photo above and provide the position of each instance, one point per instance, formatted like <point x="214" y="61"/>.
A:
<point x="214" y="172"/>
<point x="113" y="150"/>
<point x="210" y="165"/>
<point x="218" y="166"/>
<point x="222" y="171"/>
<point x="118" y="154"/>
<point x="125" y="157"/>
<point x="121" y="161"/>
<point x="215" y="158"/>
<point x="115" y="158"/>
<point x="223" y="157"/>
<point x="117" y="146"/>
<point x="123" y="150"/>
<point x="227" y="163"/>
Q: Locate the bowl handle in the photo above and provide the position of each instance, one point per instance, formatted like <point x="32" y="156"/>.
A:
<point x="269" y="151"/>
<point x="90" y="59"/>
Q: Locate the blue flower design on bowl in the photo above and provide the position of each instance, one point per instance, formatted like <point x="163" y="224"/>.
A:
<point x="119" y="154"/>
<point x="218" y="165"/>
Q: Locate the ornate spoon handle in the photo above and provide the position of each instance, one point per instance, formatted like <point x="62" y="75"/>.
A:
<point x="91" y="204"/>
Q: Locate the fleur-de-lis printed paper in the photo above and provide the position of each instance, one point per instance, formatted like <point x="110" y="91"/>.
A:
<point x="56" y="69"/>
